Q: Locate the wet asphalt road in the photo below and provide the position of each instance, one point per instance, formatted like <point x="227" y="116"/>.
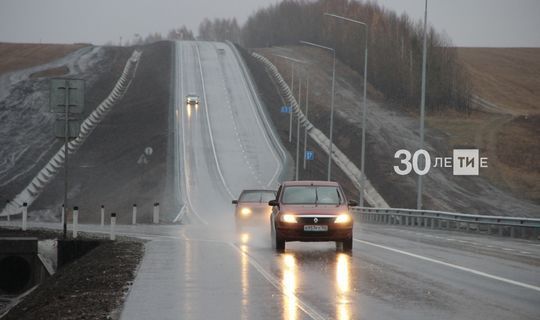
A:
<point x="207" y="270"/>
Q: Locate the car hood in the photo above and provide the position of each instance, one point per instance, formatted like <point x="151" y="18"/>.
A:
<point x="305" y="209"/>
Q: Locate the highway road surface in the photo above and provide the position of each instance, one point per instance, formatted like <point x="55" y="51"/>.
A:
<point x="204" y="269"/>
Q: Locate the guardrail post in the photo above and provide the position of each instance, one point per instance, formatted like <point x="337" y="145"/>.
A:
<point x="102" y="215"/>
<point x="75" y="222"/>
<point x="156" y="213"/>
<point x="407" y="220"/>
<point x="489" y="230"/>
<point x="134" y="214"/>
<point x="62" y="215"/>
<point x="512" y="232"/>
<point x="501" y="230"/>
<point x="24" y="216"/>
<point x="113" y="224"/>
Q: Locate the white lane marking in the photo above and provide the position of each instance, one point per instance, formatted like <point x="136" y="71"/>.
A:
<point x="310" y="311"/>
<point x="184" y="153"/>
<point x="508" y="249"/>
<point x="210" y="127"/>
<point x="453" y="266"/>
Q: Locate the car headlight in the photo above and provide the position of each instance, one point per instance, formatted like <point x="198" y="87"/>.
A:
<point x="245" y="211"/>
<point x="288" y="218"/>
<point x="343" y="218"/>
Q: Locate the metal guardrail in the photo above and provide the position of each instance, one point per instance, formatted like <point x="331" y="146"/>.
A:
<point x="372" y="196"/>
<point x="528" y="227"/>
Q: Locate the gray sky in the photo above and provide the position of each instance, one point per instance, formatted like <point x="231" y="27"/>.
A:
<point x="467" y="22"/>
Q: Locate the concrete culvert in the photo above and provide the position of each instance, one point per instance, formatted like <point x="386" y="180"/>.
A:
<point x="15" y="274"/>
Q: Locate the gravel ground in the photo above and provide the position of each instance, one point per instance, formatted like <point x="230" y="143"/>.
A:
<point x="92" y="287"/>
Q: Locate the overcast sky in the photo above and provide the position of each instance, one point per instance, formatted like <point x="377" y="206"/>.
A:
<point x="499" y="23"/>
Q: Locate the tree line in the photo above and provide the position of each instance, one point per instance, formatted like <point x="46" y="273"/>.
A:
<point x="395" y="47"/>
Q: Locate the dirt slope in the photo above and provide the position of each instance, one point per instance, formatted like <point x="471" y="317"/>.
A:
<point x="15" y="56"/>
<point x="508" y="77"/>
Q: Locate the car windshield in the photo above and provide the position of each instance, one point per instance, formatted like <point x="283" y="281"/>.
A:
<point x="311" y="195"/>
<point x="257" y="196"/>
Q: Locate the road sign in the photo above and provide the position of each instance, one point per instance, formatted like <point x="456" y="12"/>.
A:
<point x="60" y="127"/>
<point x="285" y="109"/>
<point x="310" y="155"/>
<point x="57" y="99"/>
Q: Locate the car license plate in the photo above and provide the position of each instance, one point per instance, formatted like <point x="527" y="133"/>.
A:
<point x="315" y="228"/>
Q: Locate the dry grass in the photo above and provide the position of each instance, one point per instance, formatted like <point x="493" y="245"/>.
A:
<point x="509" y="77"/>
<point x="15" y="56"/>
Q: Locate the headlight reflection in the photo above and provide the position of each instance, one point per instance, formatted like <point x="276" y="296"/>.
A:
<point x="245" y="276"/>
<point x="343" y="283"/>
<point x="289" y="285"/>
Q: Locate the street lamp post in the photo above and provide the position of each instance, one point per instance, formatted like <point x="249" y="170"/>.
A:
<point x="422" y="106"/>
<point x="305" y="129"/>
<point x="297" y="164"/>
<point x="331" y="103"/>
<point x="364" y="111"/>
<point x="293" y="60"/>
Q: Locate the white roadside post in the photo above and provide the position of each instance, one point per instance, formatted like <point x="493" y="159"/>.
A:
<point x="156" y="213"/>
<point x="24" y="216"/>
<point x="102" y="215"/>
<point x="75" y="222"/>
<point x="134" y="214"/>
<point x="113" y="224"/>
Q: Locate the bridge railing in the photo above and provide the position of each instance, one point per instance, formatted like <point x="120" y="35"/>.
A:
<point x="499" y="225"/>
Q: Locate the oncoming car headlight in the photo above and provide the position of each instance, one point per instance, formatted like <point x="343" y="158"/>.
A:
<point x="288" y="218"/>
<point x="343" y="218"/>
<point x="245" y="211"/>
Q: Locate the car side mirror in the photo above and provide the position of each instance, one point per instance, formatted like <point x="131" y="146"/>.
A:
<point x="235" y="202"/>
<point x="273" y="203"/>
<point x="353" y="203"/>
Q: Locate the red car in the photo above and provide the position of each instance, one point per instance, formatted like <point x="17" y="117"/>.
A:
<point x="252" y="206"/>
<point x="311" y="211"/>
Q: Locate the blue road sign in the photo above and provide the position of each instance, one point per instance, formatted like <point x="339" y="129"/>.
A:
<point x="285" y="109"/>
<point x="310" y="155"/>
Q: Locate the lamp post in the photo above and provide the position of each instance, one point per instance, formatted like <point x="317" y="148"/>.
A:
<point x="364" y="110"/>
<point x="293" y="60"/>
<point x="307" y="110"/>
<point x="422" y="106"/>
<point x="331" y="103"/>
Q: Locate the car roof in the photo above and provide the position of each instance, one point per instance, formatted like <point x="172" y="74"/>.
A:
<point x="310" y="183"/>
<point x="258" y="190"/>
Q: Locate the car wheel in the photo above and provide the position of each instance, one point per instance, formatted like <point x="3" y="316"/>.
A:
<point x="277" y="242"/>
<point x="347" y="245"/>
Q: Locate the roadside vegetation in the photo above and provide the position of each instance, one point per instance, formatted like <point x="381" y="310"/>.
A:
<point x="395" y="47"/>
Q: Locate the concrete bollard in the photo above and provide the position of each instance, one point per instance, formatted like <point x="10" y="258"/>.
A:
<point x="113" y="224"/>
<point x="102" y="215"/>
<point x="156" y="213"/>
<point x="24" y="216"/>
<point x="75" y="222"/>
<point x="134" y="214"/>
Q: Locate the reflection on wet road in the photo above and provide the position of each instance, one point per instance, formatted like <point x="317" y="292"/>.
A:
<point x="204" y="269"/>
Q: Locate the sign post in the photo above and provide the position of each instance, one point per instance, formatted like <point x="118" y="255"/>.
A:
<point x="66" y="95"/>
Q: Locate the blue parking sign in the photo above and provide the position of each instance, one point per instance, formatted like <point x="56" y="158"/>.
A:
<point x="310" y="155"/>
<point x="285" y="109"/>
